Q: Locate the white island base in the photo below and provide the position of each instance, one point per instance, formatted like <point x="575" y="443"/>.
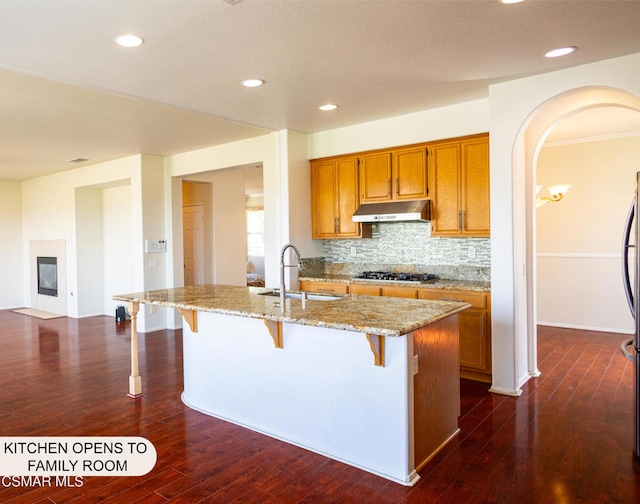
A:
<point x="324" y="391"/>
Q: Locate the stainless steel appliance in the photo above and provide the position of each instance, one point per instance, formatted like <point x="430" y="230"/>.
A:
<point x="393" y="211"/>
<point x="631" y="280"/>
<point x="391" y="276"/>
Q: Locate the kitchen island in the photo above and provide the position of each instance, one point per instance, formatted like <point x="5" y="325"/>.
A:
<point x="372" y="382"/>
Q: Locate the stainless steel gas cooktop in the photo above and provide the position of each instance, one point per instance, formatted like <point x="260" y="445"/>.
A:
<point x="395" y="277"/>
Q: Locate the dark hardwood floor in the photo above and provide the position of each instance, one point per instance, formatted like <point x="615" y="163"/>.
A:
<point x="567" y="439"/>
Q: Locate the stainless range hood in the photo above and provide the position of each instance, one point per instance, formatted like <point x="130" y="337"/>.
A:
<point x="394" y="211"/>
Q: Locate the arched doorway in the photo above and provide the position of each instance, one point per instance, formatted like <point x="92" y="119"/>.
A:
<point x="531" y="137"/>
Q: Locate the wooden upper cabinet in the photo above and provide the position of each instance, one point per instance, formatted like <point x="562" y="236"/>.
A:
<point x="334" y="198"/>
<point x="323" y="196"/>
<point x="394" y="175"/>
<point x="456" y="181"/>
<point x="459" y="181"/>
<point x="444" y="161"/>
<point x="375" y="177"/>
<point x="410" y="174"/>
<point x="475" y="183"/>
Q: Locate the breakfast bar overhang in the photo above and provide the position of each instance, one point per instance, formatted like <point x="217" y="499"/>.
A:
<point x="369" y="381"/>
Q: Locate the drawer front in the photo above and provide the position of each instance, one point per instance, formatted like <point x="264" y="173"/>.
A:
<point x="476" y="299"/>
<point x="365" y="290"/>
<point x="403" y="292"/>
<point x="336" y="288"/>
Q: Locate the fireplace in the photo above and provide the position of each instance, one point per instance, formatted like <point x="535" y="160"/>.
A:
<point x="48" y="276"/>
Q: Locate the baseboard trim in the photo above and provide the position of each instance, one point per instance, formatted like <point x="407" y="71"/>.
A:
<point x="583" y="327"/>
<point x="513" y="393"/>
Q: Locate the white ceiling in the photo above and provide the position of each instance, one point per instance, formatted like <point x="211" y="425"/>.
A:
<point x="67" y="91"/>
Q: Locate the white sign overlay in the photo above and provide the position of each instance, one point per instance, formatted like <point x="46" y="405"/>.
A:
<point x="76" y="456"/>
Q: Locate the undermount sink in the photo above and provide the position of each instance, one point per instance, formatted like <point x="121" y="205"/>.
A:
<point x="298" y="295"/>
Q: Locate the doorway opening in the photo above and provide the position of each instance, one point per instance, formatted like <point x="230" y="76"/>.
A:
<point x="577" y="239"/>
<point x="533" y="136"/>
<point x="215" y="234"/>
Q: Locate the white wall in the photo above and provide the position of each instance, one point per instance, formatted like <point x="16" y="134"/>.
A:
<point x="48" y="209"/>
<point x="49" y="213"/>
<point x="12" y="293"/>
<point x="117" y="245"/>
<point x="229" y="228"/>
<point x="435" y="124"/>
<point x="150" y="206"/>
<point x="89" y="247"/>
<point x="578" y="239"/>
<point x="522" y="112"/>
<point x="294" y="198"/>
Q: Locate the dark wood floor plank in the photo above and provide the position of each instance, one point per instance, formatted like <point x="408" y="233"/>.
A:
<point x="567" y="438"/>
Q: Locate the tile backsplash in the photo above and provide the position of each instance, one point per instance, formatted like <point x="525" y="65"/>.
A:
<point x="409" y="246"/>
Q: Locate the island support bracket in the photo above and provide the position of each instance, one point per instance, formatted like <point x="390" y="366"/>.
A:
<point x="135" y="380"/>
<point x="191" y="318"/>
<point x="275" y="330"/>
<point x="376" y="342"/>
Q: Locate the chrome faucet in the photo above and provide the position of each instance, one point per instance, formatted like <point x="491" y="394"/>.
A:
<point x="283" y="266"/>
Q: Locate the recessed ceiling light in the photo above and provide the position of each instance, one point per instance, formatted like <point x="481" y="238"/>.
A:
<point x="511" y="1"/>
<point x="563" y="51"/>
<point x="252" y="82"/>
<point x="129" y="40"/>
<point x="328" y="106"/>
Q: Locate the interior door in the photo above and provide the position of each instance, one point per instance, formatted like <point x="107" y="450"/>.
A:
<point x="193" y="242"/>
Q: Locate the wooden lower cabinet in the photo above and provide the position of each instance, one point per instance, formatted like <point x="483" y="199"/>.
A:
<point x="474" y="326"/>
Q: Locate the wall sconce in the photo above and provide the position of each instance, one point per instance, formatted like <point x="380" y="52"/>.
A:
<point x="557" y="192"/>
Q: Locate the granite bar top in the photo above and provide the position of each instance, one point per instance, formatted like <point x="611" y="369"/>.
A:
<point x="469" y="285"/>
<point x="384" y="316"/>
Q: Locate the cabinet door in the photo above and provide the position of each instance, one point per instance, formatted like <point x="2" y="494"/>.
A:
<point x="473" y="344"/>
<point x="347" y="197"/>
<point x="375" y="177"/>
<point x="474" y="328"/>
<point x="323" y="201"/>
<point x="475" y="181"/>
<point x="410" y="174"/>
<point x="444" y="164"/>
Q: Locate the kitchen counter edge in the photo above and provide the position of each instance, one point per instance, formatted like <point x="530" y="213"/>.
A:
<point x="365" y="314"/>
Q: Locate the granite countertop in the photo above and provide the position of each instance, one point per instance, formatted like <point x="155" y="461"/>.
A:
<point x="469" y="285"/>
<point x="384" y="316"/>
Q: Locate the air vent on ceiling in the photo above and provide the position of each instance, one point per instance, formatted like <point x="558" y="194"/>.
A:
<point x="78" y="160"/>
